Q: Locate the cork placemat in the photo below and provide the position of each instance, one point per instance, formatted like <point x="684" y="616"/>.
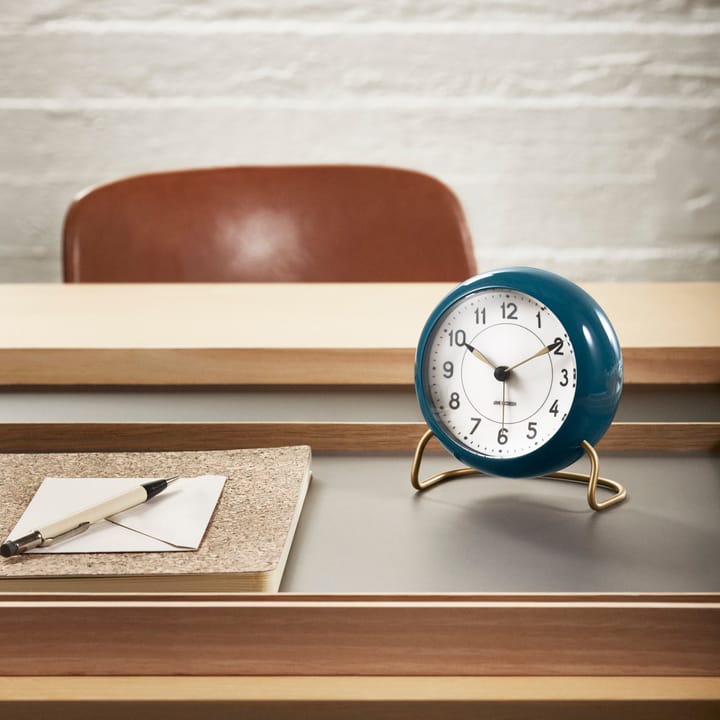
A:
<point x="248" y="532"/>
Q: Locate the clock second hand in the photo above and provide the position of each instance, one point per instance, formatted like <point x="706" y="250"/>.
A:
<point x="502" y="423"/>
<point x="500" y="374"/>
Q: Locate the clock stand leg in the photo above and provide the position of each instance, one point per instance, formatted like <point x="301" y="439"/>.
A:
<point x="592" y="480"/>
<point x="419" y="484"/>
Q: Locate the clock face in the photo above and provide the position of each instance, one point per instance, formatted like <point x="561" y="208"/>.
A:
<point x="500" y="373"/>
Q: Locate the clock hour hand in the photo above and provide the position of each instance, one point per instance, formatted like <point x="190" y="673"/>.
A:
<point x="544" y="351"/>
<point x="479" y="355"/>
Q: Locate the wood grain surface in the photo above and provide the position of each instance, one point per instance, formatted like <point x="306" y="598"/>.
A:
<point x="311" y="334"/>
<point x="357" y="698"/>
<point x="322" y="436"/>
<point x="288" y="635"/>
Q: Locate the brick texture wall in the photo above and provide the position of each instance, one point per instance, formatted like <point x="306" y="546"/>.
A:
<point x="580" y="135"/>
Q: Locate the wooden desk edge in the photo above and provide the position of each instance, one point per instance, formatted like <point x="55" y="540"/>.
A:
<point x="359" y="689"/>
<point x="294" y="366"/>
<point x="681" y="437"/>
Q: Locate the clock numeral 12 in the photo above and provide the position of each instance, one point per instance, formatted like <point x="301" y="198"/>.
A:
<point x="509" y="311"/>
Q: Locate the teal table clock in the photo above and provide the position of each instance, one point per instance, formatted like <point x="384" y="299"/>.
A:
<point x="518" y="373"/>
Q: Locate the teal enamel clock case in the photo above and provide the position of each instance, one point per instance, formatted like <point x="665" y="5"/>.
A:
<point x="598" y="359"/>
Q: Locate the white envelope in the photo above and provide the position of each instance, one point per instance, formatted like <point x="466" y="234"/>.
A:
<point x="176" y="519"/>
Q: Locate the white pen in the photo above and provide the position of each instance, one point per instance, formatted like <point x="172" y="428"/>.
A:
<point x="81" y="520"/>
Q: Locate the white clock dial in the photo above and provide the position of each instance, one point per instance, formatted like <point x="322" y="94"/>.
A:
<point x="500" y="372"/>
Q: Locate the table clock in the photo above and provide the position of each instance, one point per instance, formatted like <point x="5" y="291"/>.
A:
<point x="518" y="373"/>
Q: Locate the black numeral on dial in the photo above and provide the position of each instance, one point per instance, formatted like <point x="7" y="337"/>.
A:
<point x="509" y="311"/>
<point x="458" y="338"/>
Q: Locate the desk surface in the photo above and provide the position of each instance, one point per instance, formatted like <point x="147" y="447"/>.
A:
<point x="493" y="535"/>
<point x="309" y="334"/>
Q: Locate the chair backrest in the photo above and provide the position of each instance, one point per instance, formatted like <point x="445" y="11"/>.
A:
<point x="322" y="223"/>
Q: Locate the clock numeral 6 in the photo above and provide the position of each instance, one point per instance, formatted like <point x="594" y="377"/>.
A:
<point x="502" y="436"/>
<point x="454" y="401"/>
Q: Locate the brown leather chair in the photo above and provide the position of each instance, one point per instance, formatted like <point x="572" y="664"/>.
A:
<point x="321" y="223"/>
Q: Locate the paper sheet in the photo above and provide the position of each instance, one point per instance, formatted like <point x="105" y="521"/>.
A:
<point x="176" y="519"/>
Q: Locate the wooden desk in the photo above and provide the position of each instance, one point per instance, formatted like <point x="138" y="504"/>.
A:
<point x="544" y="654"/>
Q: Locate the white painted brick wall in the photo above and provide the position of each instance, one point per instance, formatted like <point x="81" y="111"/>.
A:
<point x="580" y="135"/>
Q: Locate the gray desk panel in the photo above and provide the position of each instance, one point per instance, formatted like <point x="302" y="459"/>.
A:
<point x="208" y="405"/>
<point x="685" y="404"/>
<point x="364" y="529"/>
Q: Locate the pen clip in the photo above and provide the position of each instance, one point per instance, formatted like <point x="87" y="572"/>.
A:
<point x="81" y="528"/>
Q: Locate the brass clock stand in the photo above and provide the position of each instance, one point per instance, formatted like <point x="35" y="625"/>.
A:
<point x="592" y="479"/>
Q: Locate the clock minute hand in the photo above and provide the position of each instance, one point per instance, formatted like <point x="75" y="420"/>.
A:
<point x="539" y="353"/>
<point x="479" y="355"/>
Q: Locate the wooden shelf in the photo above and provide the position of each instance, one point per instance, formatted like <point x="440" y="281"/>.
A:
<point x="354" y="698"/>
<point x="485" y="635"/>
<point x="311" y="334"/>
